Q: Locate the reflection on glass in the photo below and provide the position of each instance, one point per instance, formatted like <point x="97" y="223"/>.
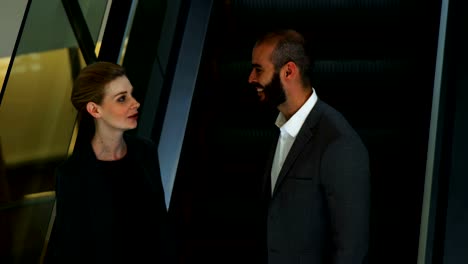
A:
<point x="36" y="123"/>
<point x="36" y="115"/>
<point x="4" y="62"/>
<point x="11" y="13"/>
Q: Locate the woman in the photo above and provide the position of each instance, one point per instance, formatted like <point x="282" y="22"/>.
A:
<point x="110" y="199"/>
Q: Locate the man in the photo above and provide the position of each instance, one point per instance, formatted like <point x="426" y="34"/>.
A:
<point x="317" y="185"/>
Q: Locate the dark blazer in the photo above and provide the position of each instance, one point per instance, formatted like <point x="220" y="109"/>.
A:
<point x="81" y="232"/>
<point x="319" y="210"/>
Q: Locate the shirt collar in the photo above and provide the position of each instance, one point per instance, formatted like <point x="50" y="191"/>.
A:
<point x="294" y="124"/>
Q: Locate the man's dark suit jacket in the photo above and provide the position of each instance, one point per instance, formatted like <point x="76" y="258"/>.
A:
<point x="81" y="231"/>
<point x="319" y="210"/>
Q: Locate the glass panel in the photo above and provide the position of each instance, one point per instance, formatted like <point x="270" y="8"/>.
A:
<point x="47" y="26"/>
<point x="11" y="11"/>
<point x="95" y="13"/>
<point x="37" y="123"/>
<point x="92" y="11"/>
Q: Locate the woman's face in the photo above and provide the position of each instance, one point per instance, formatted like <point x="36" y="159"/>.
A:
<point x="118" y="108"/>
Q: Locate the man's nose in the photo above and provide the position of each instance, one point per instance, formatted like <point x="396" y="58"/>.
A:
<point x="252" y="76"/>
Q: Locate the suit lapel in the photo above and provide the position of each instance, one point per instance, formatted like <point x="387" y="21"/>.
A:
<point x="304" y="136"/>
<point x="267" y="175"/>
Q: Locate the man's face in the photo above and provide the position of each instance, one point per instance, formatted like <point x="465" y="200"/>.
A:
<point x="264" y="78"/>
<point x="273" y="92"/>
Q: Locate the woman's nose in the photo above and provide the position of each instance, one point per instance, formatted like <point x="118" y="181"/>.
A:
<point x="136" y="104"/>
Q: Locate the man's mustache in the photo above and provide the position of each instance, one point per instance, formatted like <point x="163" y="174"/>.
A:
<point x="256" y="84"/>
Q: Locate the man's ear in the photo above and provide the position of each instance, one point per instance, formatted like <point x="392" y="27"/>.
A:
<point x="93" y="109"/>
<point x="290" y="70"/>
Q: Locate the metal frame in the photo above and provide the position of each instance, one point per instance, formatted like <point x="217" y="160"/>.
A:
<point x="181" y="93"/>
<point x="431" y="187"/>
<point x="80" y="29"/>
<point x="116" y="28"/>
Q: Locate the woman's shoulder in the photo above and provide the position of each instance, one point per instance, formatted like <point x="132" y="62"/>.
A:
<point x="70" y="166"/>
<point x="82" y="157"/>
<point x="68" y="174"/>
<point x="140" y="143"/>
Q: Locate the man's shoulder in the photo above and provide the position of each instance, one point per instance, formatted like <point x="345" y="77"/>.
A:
<point x="328" y="110"/>
<point x="335" y="123"/>
<point x="332" y="116"/>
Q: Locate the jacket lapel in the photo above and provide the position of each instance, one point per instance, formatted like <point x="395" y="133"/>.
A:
<point x="303" y="137"/>
<point x="267" y="175"/>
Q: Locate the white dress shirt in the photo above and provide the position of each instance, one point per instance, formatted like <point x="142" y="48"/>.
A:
<point x="288" y="132"/>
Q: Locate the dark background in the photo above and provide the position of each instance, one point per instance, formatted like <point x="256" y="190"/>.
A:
<point x="375" y="62"/>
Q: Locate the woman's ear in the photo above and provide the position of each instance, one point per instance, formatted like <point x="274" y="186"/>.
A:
<point x="93" y="109"/>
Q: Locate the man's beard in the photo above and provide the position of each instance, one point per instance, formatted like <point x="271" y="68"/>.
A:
<point x="274" y="92"/>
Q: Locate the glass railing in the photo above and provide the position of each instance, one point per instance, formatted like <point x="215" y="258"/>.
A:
<point x="37" y="122"/>
<point x="12" y="13"/>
